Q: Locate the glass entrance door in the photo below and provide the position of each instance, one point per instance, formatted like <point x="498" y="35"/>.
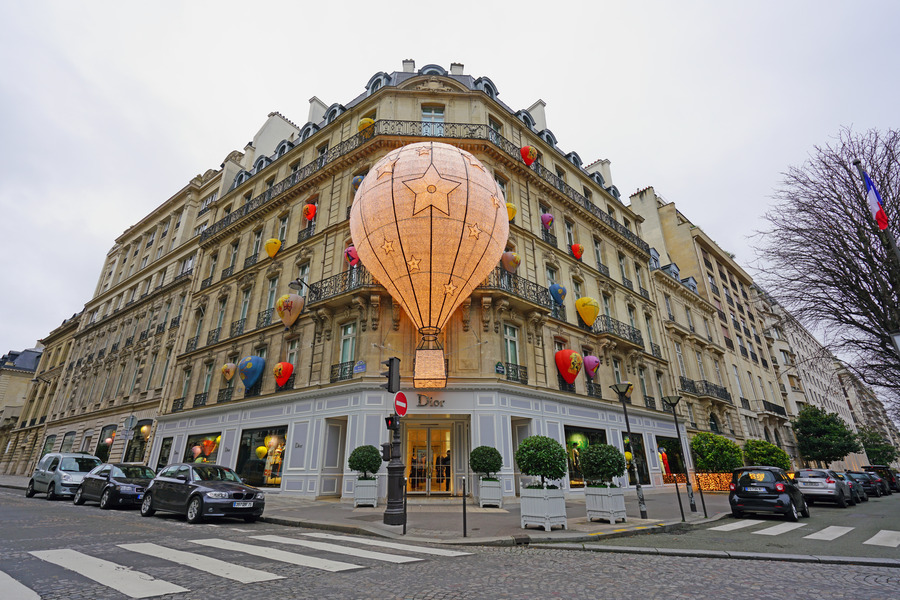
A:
<point x="429" y="468"/>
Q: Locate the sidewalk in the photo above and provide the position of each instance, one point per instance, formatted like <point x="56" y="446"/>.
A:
<point x="441" y="520"/>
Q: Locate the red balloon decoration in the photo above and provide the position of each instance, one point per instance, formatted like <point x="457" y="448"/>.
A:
<point x="529" y="154"/>
<point x="309" y="211"/>
<point x="351" y="256"/>
<point x="208" y="446"/>
<point x="568" y="363"/>
<point x="577" y="251"/>
<point x="283" y="372"/>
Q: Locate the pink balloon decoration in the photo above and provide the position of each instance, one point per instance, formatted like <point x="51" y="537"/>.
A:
<point x="590" y="365"/>
<point x="547" y="220"/>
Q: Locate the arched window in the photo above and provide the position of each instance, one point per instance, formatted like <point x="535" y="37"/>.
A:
<point x="137" y="446"/>
<point x="104" y="444"/>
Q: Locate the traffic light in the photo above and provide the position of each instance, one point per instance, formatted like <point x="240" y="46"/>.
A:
<point x="392" y="422"/>
<point x="392" y="374"/>
<point x="386" y="451"/>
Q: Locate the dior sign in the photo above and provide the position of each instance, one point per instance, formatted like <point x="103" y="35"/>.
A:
<point x="429" y="401"/>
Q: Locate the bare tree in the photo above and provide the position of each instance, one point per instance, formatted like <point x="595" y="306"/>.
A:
<point x="827" y="262"/>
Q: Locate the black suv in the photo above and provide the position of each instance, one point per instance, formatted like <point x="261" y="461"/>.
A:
<point x="765" y="489"/>
<point x="887" y="474"/>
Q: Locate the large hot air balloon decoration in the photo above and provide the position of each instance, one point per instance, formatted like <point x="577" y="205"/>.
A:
<point x="568" y="363"/>
<point x="547" y="220"/>
<point x="228" y="370"/>
<point x="309" y="211"/>
<point x="511" y="210"/>
<point x="577" y="251"/>
<point x="591" y="363"/>
<point x="428" y="222"/>
<point x="250" y="369"/>
<point x="356" y="181"/>
<point x="510" y="261"/>
<point x="588" y="309"/>
<point x="351" y="256"/>
<point x="283" y="372"/>
<point x="364" y="126"/>
<point x="529" y="154"/>
<point x="273" y="245"/>
<point x="289" y="308"/>
<point x="558" y="293"/>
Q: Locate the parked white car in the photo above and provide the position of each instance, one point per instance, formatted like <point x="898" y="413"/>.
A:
<point x="59" y="474"/>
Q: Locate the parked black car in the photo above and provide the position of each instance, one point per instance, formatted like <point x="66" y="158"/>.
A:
<point x="872" y="483"/>
<point x="857" y="491"/>
<point x="114" y="484"/>
<point x="765" y="489"/>
<point x="887" y="474"/>
<point x="202" y="490"/>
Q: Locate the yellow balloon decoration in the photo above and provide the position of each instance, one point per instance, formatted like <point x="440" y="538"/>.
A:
<point x="511" y="210"/>
<point x="588" y="308"/>
<point x="273" y="245"/>
<point x="628" y="456"/>
<point x="261" y="452"/>
<point x="428" y="224"/>
<point x="364" y="124"/>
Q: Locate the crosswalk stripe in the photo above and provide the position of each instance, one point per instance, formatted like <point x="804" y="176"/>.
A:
<point x="13" y="590"/>
<point x="885" y="537"/>
<point x="829" y="533"/>
<point x="325" y="547"/>
<point x="133" y="584"/>
<point x="383" y="544"/>
<point x="779" y="529"/>
<point x="279" y="555"/>
<point x="203" y="563"/>
<point x="736" y="525"/>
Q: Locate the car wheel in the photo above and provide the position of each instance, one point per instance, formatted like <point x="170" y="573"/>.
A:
<point x="79" y="497"/>
<point x="105" y="500"/>
<point x="195" y="510"/>
<point x="810" y="501"/>
<point x="852" y="501"/>
<point x="804" y="512"/>
<point x="29" y="491"/>
<point x="737" y="514"/>
<point x="841" y="501"/>
<point x="147" y="509"/>
<point x="51" y="492"/>
<point x="877" y="492"/>
<point x="792" y="514"/>
<point x="865" y="497"/>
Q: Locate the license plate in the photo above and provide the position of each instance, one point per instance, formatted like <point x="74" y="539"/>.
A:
<point x="755" y="489"/>
<point x="243" y="505"/>
<point x="809" y="484"/>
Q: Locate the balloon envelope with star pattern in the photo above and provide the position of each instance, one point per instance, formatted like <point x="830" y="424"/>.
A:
<point x="250" y="368"/>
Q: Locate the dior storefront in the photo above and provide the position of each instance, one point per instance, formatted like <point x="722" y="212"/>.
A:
<point x="300" y="443"/>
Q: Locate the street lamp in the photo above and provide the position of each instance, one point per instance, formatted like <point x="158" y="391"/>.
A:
<point x="623" y="391"/>
<point x="298" y="284"/>
<point x="672" y="402"/>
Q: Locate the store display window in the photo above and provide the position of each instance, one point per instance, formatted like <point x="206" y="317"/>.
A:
<point x="261" y="456"/>
<point x="164" y="451"/>
<point x="671" y="459"/>
<point x="577" y="439"/>
<point x="137" y="445"/>
<point x="203" y="448"/>
<point x="638" y="461"/>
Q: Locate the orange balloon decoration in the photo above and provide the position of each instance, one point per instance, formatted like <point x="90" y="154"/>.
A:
<point x="529" y="154"/>
<point x="577" y="251"/>
<point x="568" y="363"/>
<point x="309" y="211"/>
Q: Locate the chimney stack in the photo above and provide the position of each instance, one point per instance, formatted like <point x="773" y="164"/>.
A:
<point x="456" y="68"/>
<point x="409" y="66"/>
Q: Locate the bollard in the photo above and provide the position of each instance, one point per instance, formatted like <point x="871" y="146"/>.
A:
<point x="464" y="507"/>
<point x="405" y="487"/>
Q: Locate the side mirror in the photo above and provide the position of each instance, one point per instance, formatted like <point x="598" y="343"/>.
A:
<point x="52" y="468"/>
<point x="181" y="477"/>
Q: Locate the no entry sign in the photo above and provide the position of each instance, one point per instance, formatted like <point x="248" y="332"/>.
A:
<point x="400" y="404"/>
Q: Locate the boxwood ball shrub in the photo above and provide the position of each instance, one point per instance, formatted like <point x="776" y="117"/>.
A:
<point x="485" y="460"/>
<point x="365" y="460"/>
<point x="600" y="463"/>
<point x="766" y="454"/>
<point x="541" y="456"/>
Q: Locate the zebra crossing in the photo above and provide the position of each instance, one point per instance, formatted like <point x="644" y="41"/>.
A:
<point x="885" y="537"/>
<point x="304" y="550"/>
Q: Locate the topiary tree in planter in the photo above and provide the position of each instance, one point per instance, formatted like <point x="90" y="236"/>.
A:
<point x="365" y="460"/>
<point x="541" y="456"/>
<point x="487" y="461"/>
<point x="543" y="505"/>
<point x="716" y="453"/>
<point x="763" y="453"/>
<point x="600" y="463"/>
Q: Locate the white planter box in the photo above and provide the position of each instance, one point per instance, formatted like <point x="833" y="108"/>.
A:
<point x="490" y="493"/>
<point x="542" y="507"/>
<point x="365" y="492"/>
<point x="605" y="503"/>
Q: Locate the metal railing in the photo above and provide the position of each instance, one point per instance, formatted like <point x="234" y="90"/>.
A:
<point x="627" y="283"/>
<point x="250" y="260"/>
<point x="510" y="283"/>
<point x="645" y="293"/>
<point x="178" y="405"/>
<point x="517" y="373"/>
<point x="175" y="322"/>
<point x="206" y="283"/>
<point x="200" y="399"/>
<point x="708" y="388"/>
<point x="227" y="272"/>
<point x="650" y="402"/>
<point x="351" y="279"/>
<point x="778" y="410"/>
<point x="729" y="343"/>
<point x="254" y="390"/>
<point x="288" y="385"/>
<point x="744" y="352"/>
<point x="563" y="386"/>
<point x="307" y="232"/>
<point x="192" y="344"/>
<point x="604" y="270"/>
<point x="225" y="395"/>
<point x="745" y="404"/>
<point x="342" y="371"/>
<point x="160" y="328"/>
<point x="688" y="385"/>
<point x="237" y="327"/>
<point x="605" y="324"/>
<point x="594" y="390"/>
<point x="558" y="311"/>
<point x="548" y="237"/>
<point x="714" y="288"/>
<point x="655" y="350"/>
<point x="264" y="318"/>
<point x="213" y="336"/>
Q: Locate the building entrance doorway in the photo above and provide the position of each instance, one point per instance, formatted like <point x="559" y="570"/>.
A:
<point x="428" y="458"/>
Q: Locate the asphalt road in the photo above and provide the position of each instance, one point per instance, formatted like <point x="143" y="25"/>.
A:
<point x="47" y="549"/>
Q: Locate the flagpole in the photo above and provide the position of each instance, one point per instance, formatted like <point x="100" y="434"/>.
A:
<point x="890" y="236"/>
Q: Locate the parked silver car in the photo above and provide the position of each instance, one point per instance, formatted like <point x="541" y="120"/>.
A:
<point x="59" y="474"/>
<point x="823" y="484"/>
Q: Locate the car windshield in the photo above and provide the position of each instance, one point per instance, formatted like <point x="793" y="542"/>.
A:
<point x="754" y="477"/>
<point x="78" y="465"/>
<point x="132" y="472"/>
<point x="216" y="474"/>
<point x="813" y="474"/>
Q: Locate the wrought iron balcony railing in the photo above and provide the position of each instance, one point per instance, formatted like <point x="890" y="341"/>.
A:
<point x="654" y="348"/>
<point x="688" y="385"/>
<point x="765" y="363"/>
<point x="143" y="335"/>
<point x="213" y="336"/>
<point x="175" y="322"/>
<point x="729" y="343"/>
<point x="548" y="237"/>
<point x="605" y="324"/>
<point x="225" y="395"/>
<point x="160" y="328"/>
<point x="728" y="299"/>
<point x="558" y="311"/>
<point x="250" y="260"/>
<point x="501" y="279"/>
<point x="778" y="410"/>
<point x="288" y="385"/>
<point x="254" y="390"/>
<point x="708" y="388"/>
<point x="129" y="340"/>
<point x="227" y="272"/>
<point x="627" y="283"/>
<point x="714" y="288"/>
<point x="744" y="352"/>
<point x="114" y="348"/>
<point x="351" y="279"/>
<point x="342" y="371"/>
<point x="183" y="275"/>
<point x="754" y="357"/>
<point x="206" y="283"/>
<point x="200" y="399"/>
<point x="178" y="405"/>
<point x="563" y="386"/>
<point x="516" y="373"/>
<point x="707" y="263"/>
<point x="745" y="404"/>
<point x="192" y="344"/>
<point x="645" y="293"/>
<point x="604" y="270"/>
<point x="594" y="390"/>
<point x="264" y="318"/>
<point x="237" y="327"/>
<point x="650" y="402"/>
<point x="721" y="314"/>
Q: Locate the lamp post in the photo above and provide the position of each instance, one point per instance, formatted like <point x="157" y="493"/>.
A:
<point x="298" y="284"/>
<point x="623" y="391"/>
<point x="672" y="402"/>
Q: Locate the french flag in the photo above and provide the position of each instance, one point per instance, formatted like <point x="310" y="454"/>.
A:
<point x="875" y="205"/>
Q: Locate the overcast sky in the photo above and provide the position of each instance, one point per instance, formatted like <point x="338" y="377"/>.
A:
<point x="109" y="108"/>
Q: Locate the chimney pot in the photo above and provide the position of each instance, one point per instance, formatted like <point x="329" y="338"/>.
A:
<point x="456" y="68"/>
<point x="409" y="66"/>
